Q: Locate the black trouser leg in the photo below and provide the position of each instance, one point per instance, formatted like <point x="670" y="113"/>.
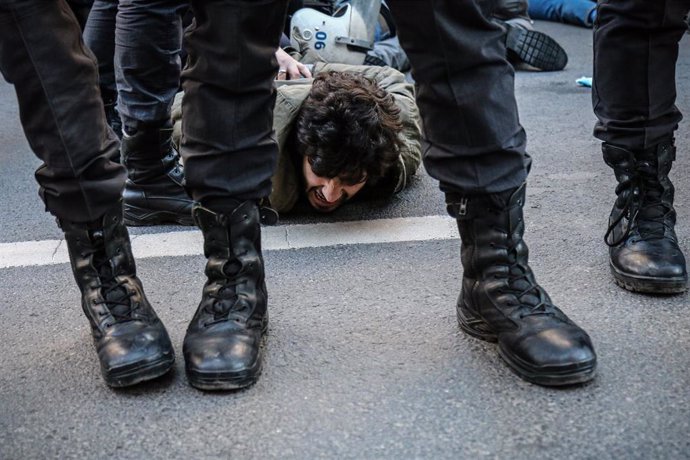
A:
<point x="43" y="56"/>
<point x="227" y="141"/>
<point x="99" y="36"/>
<point x="81" y="9"/>
<point x="465" y="93"/>
<point x="634" y="85"/>
<point x="148" y="40"/>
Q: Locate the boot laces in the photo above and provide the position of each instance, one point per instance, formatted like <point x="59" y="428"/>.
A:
<point x="521" y="284"/>
<point x="643" y="208"/>
<point x="114" y="294"/>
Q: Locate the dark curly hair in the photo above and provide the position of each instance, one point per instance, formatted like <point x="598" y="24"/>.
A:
<point x="348" y="128"/>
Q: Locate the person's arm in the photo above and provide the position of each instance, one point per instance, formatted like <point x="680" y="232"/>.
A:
<point x="290" y="68"/>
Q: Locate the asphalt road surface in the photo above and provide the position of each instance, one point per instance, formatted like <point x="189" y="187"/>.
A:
<point x="364" y="357"/>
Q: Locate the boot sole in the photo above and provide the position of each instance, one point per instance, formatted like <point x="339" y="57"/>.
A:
<point x="549" y="379"/>
<point x="140" y="373"/>
<point x="536" y="48"/>
<point x="649" y="285"/>
<point x="138" y="217"/>
<point x="480" y="329"/>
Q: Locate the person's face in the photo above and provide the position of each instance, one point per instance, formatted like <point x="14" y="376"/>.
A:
<point x="327" y="194"/>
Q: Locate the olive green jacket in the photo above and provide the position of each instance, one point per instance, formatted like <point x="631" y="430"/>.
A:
<point x="291" y="94"/>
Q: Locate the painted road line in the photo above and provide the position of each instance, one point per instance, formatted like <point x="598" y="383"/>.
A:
<point x="186" y="243"/>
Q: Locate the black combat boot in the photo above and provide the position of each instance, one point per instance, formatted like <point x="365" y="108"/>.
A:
<point x="222" y="348"/>
<point x="154" y="193"/>
<point x="131" y="342"/>
<point x="501" y="301"/>
<point x="643" y="248"/>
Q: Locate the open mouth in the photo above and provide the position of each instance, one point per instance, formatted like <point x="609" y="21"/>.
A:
<point x="321" y="198"/>
<point x="319" y="201"/>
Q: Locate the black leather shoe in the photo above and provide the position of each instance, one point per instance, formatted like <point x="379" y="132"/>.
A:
<point x="501" y="301"/>
<point x="132" y="344"/>
<point x="643" y="248"/>
<point x="154" y="192"/>
<point x="510" y="9"/>
<point x="222" y="347"/>
<point x="534" y="48"/>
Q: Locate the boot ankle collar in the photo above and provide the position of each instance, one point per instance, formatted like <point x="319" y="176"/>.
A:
<point x="457" y="205"/>
<point x="615" y="156"/>
<point x="618" y="156"/>
<point x="205" y="217"/>
<point x="113" y="215"/>
<point x="461" y="206"/>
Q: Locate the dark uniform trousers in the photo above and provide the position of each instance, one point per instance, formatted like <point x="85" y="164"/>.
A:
<point x="465" y="92"/>
<point x="138" y="43"/>
<point x="54" y="75"/>
<point x="228" y="145"/>
<point x="634" y="84"/>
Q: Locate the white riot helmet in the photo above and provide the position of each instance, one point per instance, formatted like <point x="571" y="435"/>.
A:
<point x="344" y="37"/>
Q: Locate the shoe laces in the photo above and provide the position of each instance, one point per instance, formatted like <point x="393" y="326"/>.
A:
<point x="114" y="294"/>
<point x="521" y="284"/>
<point x="644" y="208"/>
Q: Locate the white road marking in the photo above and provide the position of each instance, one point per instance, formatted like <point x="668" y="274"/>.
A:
<point x="188" y="243"/>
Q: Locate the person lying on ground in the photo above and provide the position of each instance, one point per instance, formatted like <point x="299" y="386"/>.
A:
<point x="351" y="130"/>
